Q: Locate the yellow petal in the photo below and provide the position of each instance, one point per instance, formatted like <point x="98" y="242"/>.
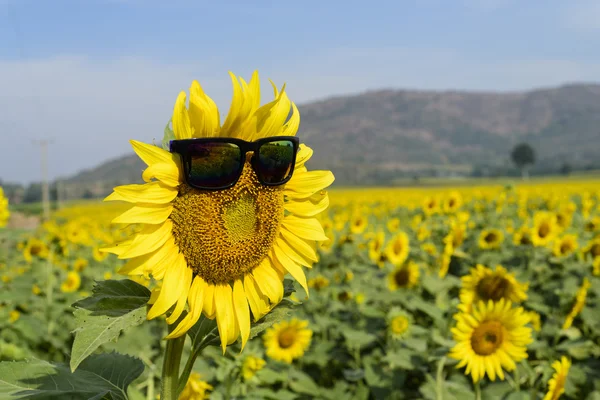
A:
<point x="259" y="302"/>
<point x="153" y="193"/>
<point x="300" y="245"/>
<point x="114" y="196"/>
<point x="167" y="173"/>
<point x="308" y="207"/>
<point x="145" y="264"/>
<point x="118" y="248"/>
<point x="304" y="154"/>
<point x="182" y="301"/>
<point x="224" y="312"/>
<point x="292" y="267"/>
<point x="242" y="312"/>
<point x="235" y="114"/>
<point x="144" y="214"/>
<point x="203" y="112"/>
<point x="195" y="298"/>
<point x="309" y="182"/>
<point x="149" y="239"/>
<point x="151" y="154"/>
<point x="291" y="127"/>
<point x="209" y="302"/>
<point x="175" y="277"/>
<point x="271" y="117"/>
<point x="268" y="281"/>
<point x="281" y="246"/>
<point x="306" y="228"/>
<point x="181" y="119"/>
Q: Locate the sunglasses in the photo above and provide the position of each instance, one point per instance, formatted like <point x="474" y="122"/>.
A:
<point x="217" y="163"/>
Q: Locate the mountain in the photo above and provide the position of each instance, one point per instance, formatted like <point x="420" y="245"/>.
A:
<point x="379" y="136"/>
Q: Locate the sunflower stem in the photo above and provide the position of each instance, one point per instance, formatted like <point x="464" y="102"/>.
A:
<point x="170" y="371"/>
<point x="517" y="379"/>
<point x="477" y="390"/>
<point x="439" y="378"/>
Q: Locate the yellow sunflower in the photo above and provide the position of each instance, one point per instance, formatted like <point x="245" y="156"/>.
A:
<point x="399" y="323"/>
<point x="453" y="202"/>
<point x="287" y="340"/>
<point x="579" y="303"/>
<point x="35" y="247"/>
<point x="251" y="365"/>
<point x="522" y="237"/>
<point x="195" y="388"/>
<point x="393" y="224"/>
<point x="375" y="246"/>
<point x="556" y="385"/>
<point x="544" y="229"/>
<point x="398" y="248"/>
<point x="565" y="245"/>
<point x="71" y="283"/>
<point x="223" y="252"/>
<point x="491" y="338"/>
<point x="404" y="276"/>
<point x="318" y="282"/>
<point x="490" y="239"/>
<point x="431" y="205"/>
<point x="484" y="284"/>
<point x="4" y="213"/>
<point x="358" y="223"/>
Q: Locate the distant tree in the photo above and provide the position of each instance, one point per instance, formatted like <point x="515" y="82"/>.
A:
<point x="566" y="169"/>
<point x="523" y="156"/>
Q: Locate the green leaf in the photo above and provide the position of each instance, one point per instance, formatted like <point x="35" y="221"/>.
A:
<point x="100" y="376"/>
<point x="282" y="311"/>
<point x="114" y="306"/>
<point x="301" y="382"/>
<point x="358" y="339"/>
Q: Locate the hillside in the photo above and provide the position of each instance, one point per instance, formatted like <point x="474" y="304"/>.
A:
<point x="378" y="136"/>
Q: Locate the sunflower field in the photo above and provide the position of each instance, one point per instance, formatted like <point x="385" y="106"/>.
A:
<point x="482" y="292"/>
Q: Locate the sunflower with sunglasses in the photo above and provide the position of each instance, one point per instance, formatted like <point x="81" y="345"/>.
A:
<point x="226" y="211"/>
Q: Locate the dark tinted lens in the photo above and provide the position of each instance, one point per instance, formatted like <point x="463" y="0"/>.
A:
<point x="214" y="165"/>
<point x="275" y="161"/>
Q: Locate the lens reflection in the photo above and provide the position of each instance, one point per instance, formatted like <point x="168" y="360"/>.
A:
<point x="214" y="165"/>
<point x="275" y="161"/>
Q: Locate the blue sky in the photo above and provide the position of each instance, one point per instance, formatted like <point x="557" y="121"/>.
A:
<point x="92" y="74"/>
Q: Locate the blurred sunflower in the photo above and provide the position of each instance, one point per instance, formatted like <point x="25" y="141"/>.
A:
<point x="318" y="282"/>
<point x="536" y="321"/>
<point x="556" y="385"/>
<point x="98" y="255"/>
<point x="195" y="388"/>
<point x="13" y="316"/>
<point x="490" y="239"/>
<point x="71" y="283"/>
<point x="375" y="246"/>
<point x="544" y="229"/>
<point x="222" y="252"/>
<point x="251" y="365"/>
<point x="430" y="205"/>
<point x="399" y="323"/>
<point x="592" y="249"/>
<point x="404" y="276"/>
<point x="522" y="237"/>
<point x="565" y="245"/>
<point x="4" y="213"/>
<point x="398" y="248"/>
<point x="445" y="259"/>
<point x="35" y="247"/>
<point x="453" y="202"/>
<point x="393" y="224"/>
<point x="579" y="303"/>
<point x="492" y="338"/>
<point x="287" y="340"/>
<point x="80" y="264"/>
<point x="358" y="223"/>
<point x="484" y="284"/>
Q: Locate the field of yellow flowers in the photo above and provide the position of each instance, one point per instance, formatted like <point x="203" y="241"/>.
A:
<point x="487" y="292"/>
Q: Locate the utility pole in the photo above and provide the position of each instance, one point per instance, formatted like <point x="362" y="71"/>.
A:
<point x="45" y="185"/>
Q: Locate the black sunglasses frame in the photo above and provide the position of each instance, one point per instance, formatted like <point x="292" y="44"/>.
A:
<point x="182" y="147"/>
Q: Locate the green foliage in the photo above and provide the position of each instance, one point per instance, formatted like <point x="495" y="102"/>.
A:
<point x="114" y="306"/>
<point x="103" y="376"/>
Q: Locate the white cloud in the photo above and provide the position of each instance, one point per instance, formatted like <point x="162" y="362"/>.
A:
<point x="92" y="108"/>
